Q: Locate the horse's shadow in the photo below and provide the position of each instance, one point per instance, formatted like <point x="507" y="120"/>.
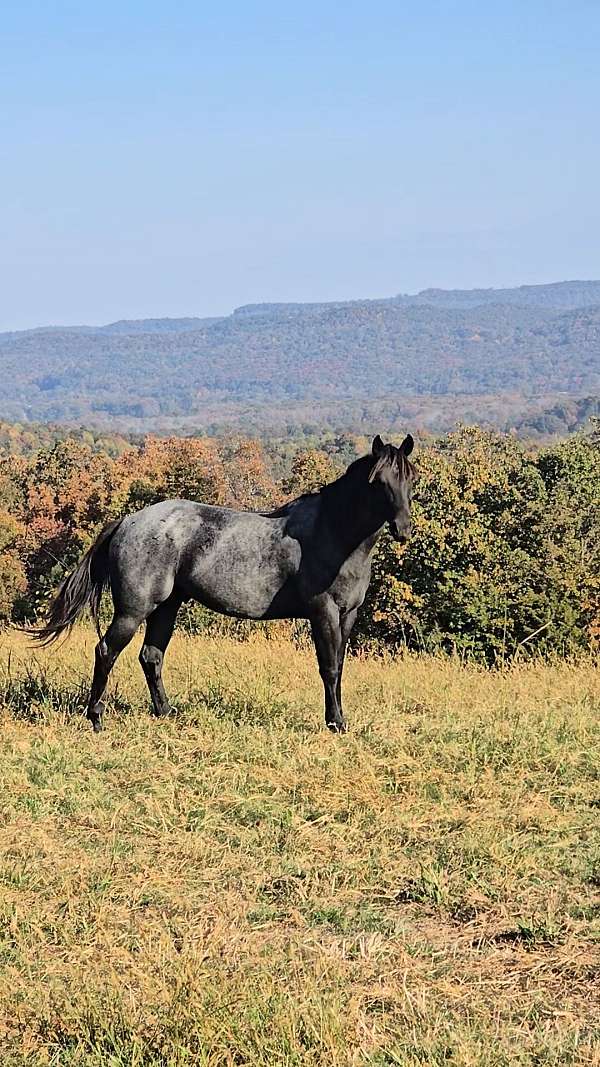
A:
<point x="35" y="697"/>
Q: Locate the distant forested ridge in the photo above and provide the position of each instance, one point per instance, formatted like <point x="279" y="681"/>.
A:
<point x="267" y="365"/>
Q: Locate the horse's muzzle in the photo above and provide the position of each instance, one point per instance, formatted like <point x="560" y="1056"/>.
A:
<point x="401" y="534"/>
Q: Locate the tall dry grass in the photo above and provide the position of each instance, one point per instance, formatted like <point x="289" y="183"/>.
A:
<point x="235" y="886"/>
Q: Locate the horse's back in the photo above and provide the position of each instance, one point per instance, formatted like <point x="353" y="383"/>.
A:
<point x="145" y="551"/>
<point x="165" y="527"/>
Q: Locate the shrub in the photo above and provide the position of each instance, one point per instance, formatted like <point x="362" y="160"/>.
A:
<point x="504" y="555"/>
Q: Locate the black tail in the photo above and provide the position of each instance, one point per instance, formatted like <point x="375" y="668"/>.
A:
<point x="82" y="587"/>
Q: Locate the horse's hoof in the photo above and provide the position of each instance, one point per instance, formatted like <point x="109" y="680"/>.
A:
<point x="163" y="712"/>
<point x="97" y="726"/>
<point x="338" y="727"/>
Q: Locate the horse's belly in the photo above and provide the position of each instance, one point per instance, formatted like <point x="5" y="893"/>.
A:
<point x="231" y="595"/>
<point x="253" y="585"/>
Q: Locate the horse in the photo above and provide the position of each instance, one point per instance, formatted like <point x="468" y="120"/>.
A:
<point x="310" y="559"/>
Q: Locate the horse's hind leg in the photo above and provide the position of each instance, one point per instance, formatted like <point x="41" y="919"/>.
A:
<point x="118" y="635"/>
<point x="159" y="630"/>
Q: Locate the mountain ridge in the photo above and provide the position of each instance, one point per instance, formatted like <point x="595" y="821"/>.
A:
<point x="558" y="295"/>
<point x="531" y="340"/>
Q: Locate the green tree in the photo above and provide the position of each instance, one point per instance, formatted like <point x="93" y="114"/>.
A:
<point x="502" y="556"/>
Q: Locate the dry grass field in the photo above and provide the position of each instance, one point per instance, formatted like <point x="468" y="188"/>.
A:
<point x="234" y="886"/>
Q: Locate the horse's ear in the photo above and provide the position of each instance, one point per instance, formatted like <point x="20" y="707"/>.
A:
<point x="407" y="445"/>
<point x="378" y="447"/>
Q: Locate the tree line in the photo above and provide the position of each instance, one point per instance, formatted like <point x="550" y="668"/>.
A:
<point x="505" y="557"/>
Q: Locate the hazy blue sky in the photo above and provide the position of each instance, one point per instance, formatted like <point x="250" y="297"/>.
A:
<point x="185" y="158"/>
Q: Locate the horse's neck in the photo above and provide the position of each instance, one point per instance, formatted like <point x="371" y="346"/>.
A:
<point x="350" y="513"/>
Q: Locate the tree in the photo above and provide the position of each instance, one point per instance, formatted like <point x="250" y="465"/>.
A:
<point x="311" y="470"/>
<point x="171" y="467"/>
<point x="249" y="483"/>
<point x="500" y="559"/>
<point x="12" y="573"/>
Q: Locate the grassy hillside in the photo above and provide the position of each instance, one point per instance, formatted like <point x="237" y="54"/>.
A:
<point x="266" y="363"/>
<point x="235" y="886"/>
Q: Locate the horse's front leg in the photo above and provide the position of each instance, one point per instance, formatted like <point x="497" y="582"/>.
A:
<point x="346" y="623"/>
<point x="327" y="635"/>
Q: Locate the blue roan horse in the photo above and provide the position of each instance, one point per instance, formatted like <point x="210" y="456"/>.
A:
<point x="310" y="559"/>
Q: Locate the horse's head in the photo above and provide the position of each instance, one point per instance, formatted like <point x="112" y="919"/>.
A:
<point x="394" y="475"/>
